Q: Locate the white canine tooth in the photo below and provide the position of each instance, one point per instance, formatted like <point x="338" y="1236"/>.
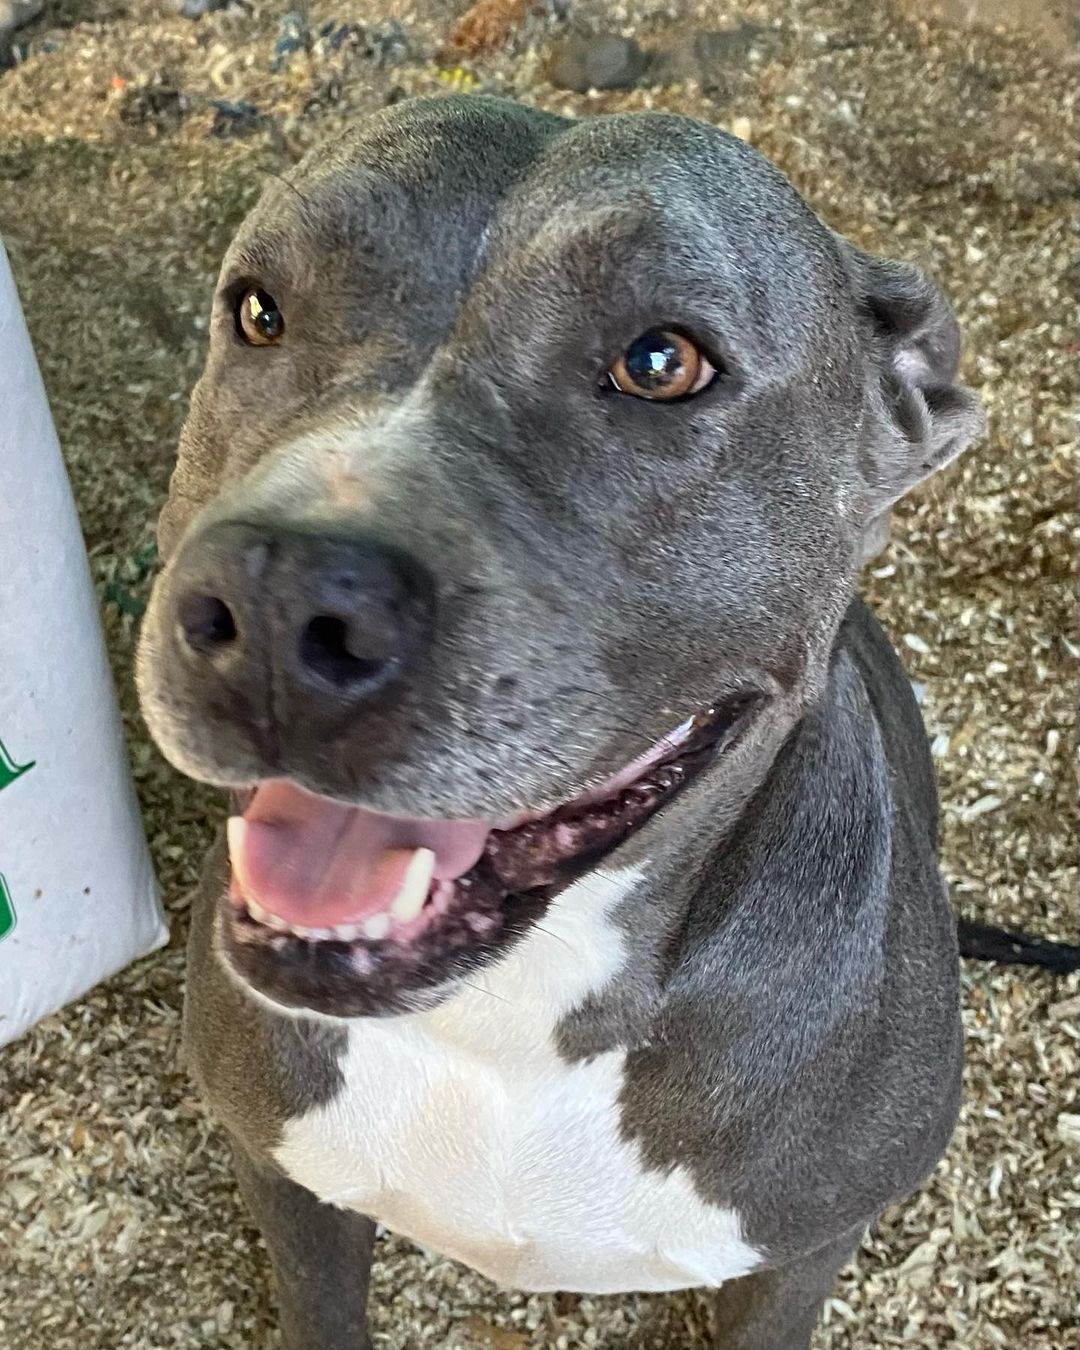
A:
<point x="300" y="930"/>
<point x="377" y="927"/>
<point x="409" y="900"/>
<point x="346" y="932"/>
<point x="236" y="828"/>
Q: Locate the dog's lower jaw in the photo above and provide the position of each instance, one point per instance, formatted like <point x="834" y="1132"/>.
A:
<point x="471" y="921"/>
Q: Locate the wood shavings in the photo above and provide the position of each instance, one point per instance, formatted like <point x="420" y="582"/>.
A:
<point x="119" y="1221"/>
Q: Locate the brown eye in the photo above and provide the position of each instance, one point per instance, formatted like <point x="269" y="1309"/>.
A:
<point x="661" y="364"/>
<point x="259" y="320"/>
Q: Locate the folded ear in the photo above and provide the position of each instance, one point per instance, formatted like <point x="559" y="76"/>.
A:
<point x="918" y="417"/>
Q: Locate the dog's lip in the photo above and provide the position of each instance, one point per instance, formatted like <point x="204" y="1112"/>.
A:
<point x="319" y="865"/>
<point x="400" y="966"/>
<point x="667" y="744"/>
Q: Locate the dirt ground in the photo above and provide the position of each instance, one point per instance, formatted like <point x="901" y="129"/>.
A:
<point x="943" y="132"/>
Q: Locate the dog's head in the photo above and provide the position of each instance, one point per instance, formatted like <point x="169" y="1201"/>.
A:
<point x="532" y="463"/>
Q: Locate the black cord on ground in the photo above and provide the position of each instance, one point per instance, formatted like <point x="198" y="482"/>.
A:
<point x="984" y="942"/>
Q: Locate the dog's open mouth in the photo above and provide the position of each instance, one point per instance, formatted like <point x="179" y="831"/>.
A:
<point x="347" y="911"/>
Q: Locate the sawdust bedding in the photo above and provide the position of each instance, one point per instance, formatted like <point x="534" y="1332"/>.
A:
<point x="120" y="182"/>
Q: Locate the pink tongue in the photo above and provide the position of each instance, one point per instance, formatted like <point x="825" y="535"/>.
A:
<point x="318" y="863"/>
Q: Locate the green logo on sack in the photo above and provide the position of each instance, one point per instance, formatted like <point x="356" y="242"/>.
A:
<point x="7" y="910"/>
<point x="9" y="770"/>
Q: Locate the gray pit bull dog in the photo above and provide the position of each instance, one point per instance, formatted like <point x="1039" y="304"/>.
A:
<point x="583" y="920"/>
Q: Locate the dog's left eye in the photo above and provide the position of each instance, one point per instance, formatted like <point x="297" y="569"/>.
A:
<point x="258" y="318"/>
<point x="661" y="364"/>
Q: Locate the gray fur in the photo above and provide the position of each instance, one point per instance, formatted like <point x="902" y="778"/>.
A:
<point x="456" y="276"/>
<point x="257" y="1068"/>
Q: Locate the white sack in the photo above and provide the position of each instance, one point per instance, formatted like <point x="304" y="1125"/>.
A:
<point x="77" y="895"/>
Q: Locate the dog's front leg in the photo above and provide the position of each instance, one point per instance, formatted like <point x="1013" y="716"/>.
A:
<point x="778" y="1309"/>
<point x="321" y="1258"/>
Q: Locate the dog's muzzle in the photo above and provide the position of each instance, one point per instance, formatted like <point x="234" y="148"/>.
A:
<point x="346" y="911"/>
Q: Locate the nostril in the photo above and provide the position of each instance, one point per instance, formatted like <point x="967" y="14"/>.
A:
<point x="325" y="650"/>
<point x="206" y="622"/>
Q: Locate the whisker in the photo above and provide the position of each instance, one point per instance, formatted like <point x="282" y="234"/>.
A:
<point x="479" y="989"/>
<point x="273" y="173"/>
<point x="539" y="928"/>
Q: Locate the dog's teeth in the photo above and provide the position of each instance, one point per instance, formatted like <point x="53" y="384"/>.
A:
<point x="236" y="828"/>
<point x="409" y="900"/>
<point x="257" y="912"/>
<point x="377" y="927"/>
<point x="263" y="916"/>
<point x="301" y="931"/>
<point x="346" y="932"/>
<point x="266" y="918"/>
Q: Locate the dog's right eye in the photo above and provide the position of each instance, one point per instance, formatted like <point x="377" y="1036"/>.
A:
<point x="661" y="365"/>
<point x="258" y="320"/>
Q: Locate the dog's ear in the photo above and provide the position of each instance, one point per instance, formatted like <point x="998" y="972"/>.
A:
<point x="918" y="417"/>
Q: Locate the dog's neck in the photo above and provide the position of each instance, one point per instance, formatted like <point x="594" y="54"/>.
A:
<point x="749" y="861"/>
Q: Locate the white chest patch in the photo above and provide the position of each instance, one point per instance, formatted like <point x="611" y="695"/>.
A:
<point x="463" y="1129"/>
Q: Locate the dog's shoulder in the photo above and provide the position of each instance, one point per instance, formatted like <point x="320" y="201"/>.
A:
<point x="812" y="1011"/>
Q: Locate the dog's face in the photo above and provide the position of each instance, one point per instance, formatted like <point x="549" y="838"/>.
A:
<point x="532" y="461"/>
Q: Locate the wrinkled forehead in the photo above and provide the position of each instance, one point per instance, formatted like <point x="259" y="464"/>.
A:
<point x="416" y="184"/>
<point x="441" y="190"/>
<point x="675" y="178"/>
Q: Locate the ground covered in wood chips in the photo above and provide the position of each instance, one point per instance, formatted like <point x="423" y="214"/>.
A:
<point x="909" y="128"/>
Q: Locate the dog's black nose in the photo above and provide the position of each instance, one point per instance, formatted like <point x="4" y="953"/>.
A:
<point x="316" y="618"/>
